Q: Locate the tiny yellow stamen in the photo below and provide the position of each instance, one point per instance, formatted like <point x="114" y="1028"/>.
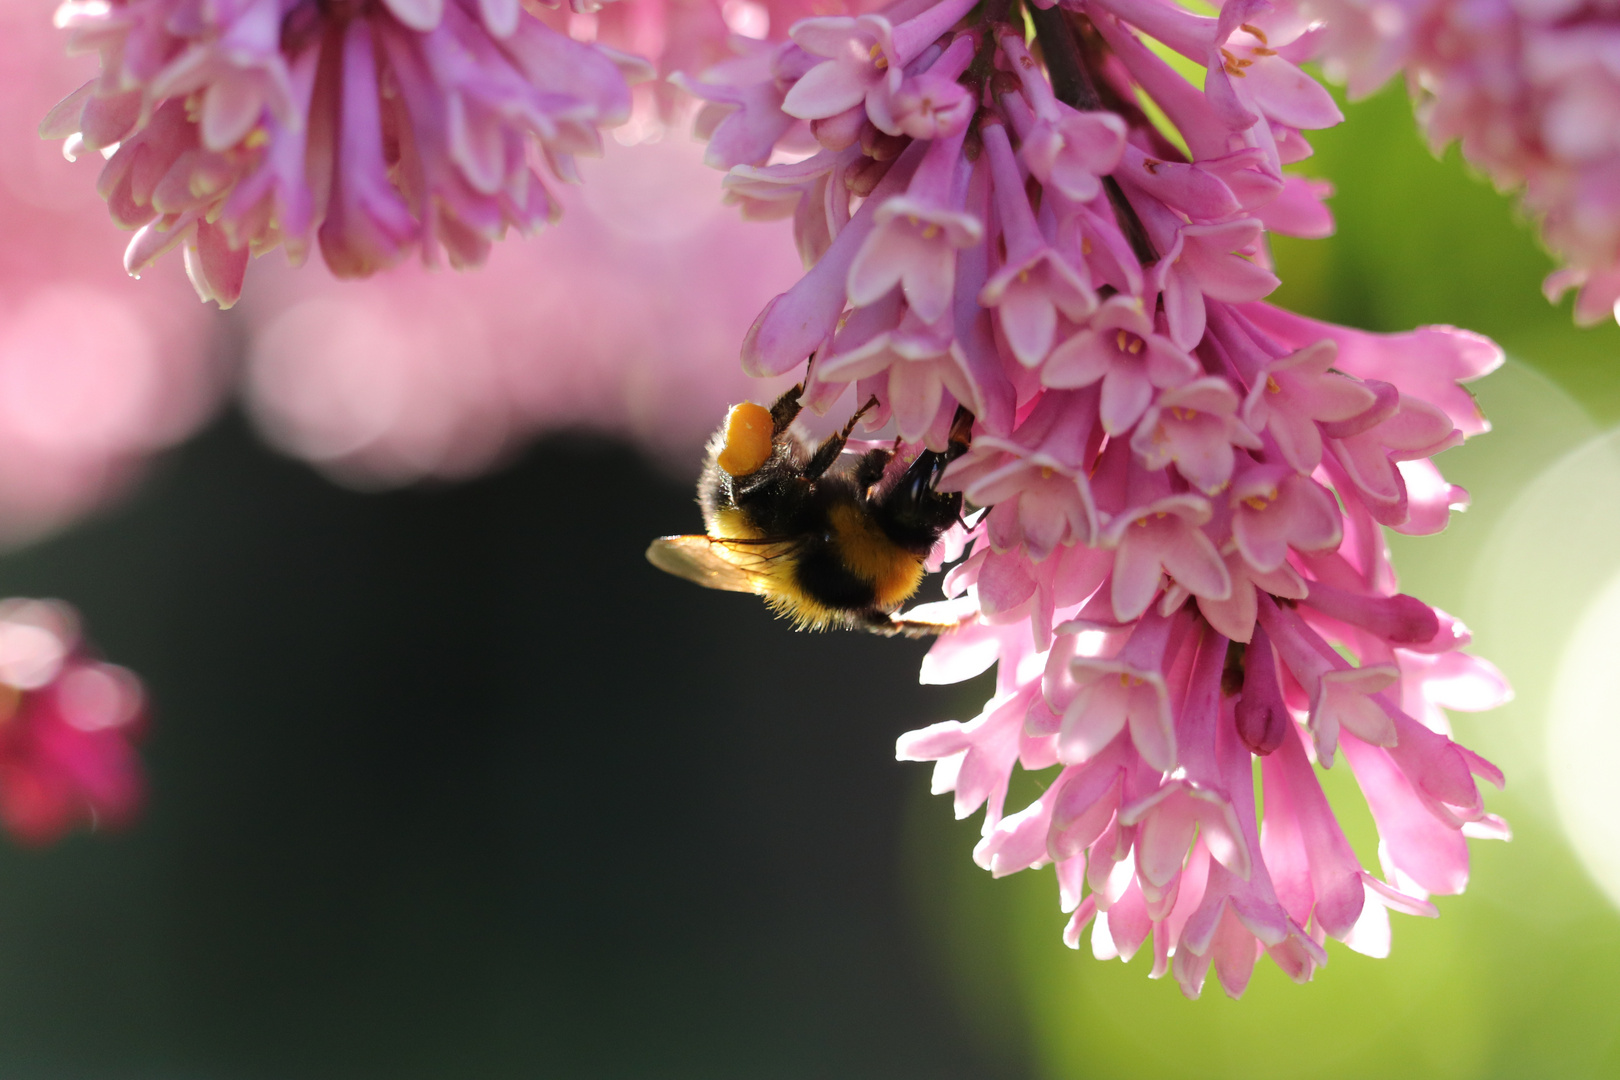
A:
<point x="1023" y="277"/>
<point x="1046" y="472"/>
<point x="1272" y="386"/>
<point x="879" y="61"/>
<point x="930" y="231"/>
<point x="1255" y="32"/>
<point x="256" y="138"/>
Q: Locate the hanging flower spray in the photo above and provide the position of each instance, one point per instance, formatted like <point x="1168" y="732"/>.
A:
<point x="1052" y="219"/>
<point x="1180" y="569"/>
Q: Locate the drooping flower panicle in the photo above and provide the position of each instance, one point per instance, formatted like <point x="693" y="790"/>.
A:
<point x="371" y="127"/>
<point x="1181" y="565"/>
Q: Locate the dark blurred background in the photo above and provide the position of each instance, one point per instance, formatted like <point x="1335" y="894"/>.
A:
<point x="450" y="782"/>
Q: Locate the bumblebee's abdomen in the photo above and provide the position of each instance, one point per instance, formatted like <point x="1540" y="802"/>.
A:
<point x="826" y="582"/>
<point x="852" y="568"/>
<point x="849" y="569"/>
<point x="893" y="572"/>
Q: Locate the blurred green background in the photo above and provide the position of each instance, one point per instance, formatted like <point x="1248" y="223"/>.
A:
<point x="448" y="782"/>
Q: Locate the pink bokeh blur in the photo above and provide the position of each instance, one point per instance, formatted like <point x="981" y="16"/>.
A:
<point x="97" y="371"/>
<point x="624" y="318"/>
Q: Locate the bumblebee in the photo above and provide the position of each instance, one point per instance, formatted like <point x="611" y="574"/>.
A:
<point x="825" y="546"/>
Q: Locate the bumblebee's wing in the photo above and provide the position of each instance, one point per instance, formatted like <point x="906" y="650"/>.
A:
<point x="732" y="565"/>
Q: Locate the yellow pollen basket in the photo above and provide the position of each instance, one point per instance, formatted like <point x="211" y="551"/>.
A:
<point x="748" y="439"/>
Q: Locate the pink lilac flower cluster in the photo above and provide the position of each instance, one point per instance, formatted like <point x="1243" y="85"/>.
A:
<point x="97" y="372"/>
<point x="1182" y="567"/>
<point x="66" y="724"/>
<point x="1530" y="90"/>
<point x="373" y="127"/>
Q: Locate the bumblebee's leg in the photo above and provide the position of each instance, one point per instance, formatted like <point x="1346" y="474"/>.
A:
<point x="899" y="626"/>
<point x="786" y="409"/>
<point x="833" y="445"/>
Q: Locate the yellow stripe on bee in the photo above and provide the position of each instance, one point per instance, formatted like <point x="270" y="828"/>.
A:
<point x="748" y="439"/>
<point x="731" y="523"/>
<point x="893" y="571"/>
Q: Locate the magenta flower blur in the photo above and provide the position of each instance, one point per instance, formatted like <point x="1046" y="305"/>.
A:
<point x="373" y="128"/>
<point x="66" y="722"/>
<point x="1530" y="91"/>
<point x="1180" y="566"/>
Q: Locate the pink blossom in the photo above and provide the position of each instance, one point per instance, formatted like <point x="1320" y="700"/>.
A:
<point x="1194" y="426"/>
<point x="233" y="129"/>
<point x="1035" y="284"/>
<point x="1274" y="509"/>
<point x="862" y="60"/>
<point x="1062" y="146"/>
<point x="1119" y="346"/>
<point x="66" y="721"/>
<point x="1033" y="481"/>
<point x="1163" y="537"/>
<point x="1179" y="567"/>
<point x="1297" y="394"/>
<point x="1530" y="93"/>
<point x="916" y="236"/>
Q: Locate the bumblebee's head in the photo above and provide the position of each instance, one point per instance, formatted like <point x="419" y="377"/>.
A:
<point x="748" y="439"/>
<point x="911" y="508"/>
